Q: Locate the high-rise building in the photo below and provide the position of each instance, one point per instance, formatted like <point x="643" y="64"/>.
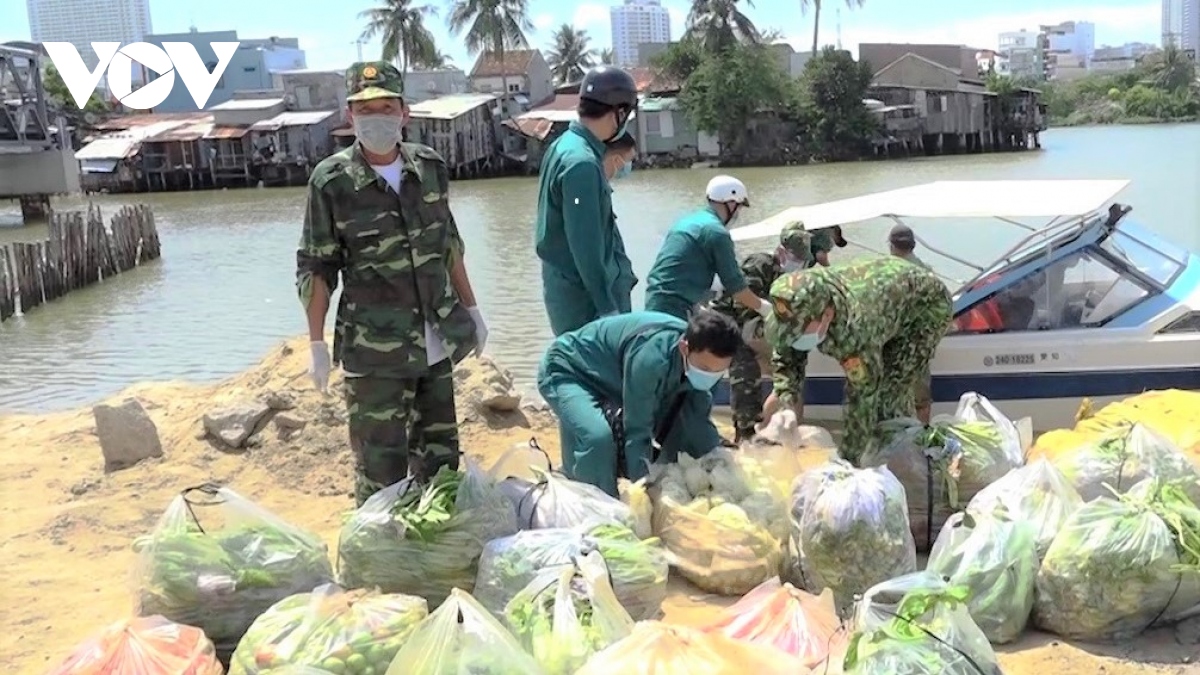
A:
<point x="635" y="23"/>
<point x="1181" y="24"/>
<point x="82" y="22"/>
<point x="1023" y="50"/>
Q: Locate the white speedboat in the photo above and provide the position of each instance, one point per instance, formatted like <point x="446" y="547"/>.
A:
<point x="1090" y="304"/>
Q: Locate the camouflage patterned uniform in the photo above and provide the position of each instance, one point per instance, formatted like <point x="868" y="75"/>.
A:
<point x="394" y="253"/>
<point x="888" y="318"/>
<point x="745" y="375"/>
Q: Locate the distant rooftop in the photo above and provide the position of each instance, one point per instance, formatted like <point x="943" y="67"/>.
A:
<point x="449" y="106"/>
<point x="248" y="104"/>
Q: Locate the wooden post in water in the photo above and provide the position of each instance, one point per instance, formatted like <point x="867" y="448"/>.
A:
<point x="8" y="287"/>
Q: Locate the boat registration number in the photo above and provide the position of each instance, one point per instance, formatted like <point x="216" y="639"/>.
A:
<point x="1013" y="359"/>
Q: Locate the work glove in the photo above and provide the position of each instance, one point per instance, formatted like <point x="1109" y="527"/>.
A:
<point x="750" y="330"/>
<point x="319" y="366"/>
<point x="717" y="286"/>
<point x="481" y="330"/>
<point x="765" y="308"/>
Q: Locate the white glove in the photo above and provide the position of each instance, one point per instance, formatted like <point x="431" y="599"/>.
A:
<point x="750" y="330"/>
<point x="320" y="366"/>
<point x="481" y="330"/>
<point x="717" y="286"/>
<point x="765" y="309"/>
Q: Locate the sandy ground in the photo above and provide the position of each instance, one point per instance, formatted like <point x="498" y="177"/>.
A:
<point x="67" y="526"/>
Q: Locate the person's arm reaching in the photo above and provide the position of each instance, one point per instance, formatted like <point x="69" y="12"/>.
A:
<point x="644" y="371"/>
<point x="582" y="192"/>
<point x="725" y="259"/>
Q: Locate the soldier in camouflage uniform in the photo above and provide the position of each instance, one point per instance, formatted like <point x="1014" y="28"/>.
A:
<point x="881" y="319"/>
<point x="745" y="375"/>
<point x="378" y="214"/>
<point x="823" y="241"/>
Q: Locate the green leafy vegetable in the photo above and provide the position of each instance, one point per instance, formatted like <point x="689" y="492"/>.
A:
<point x="1036" y="494"/>
<point x="1125" y="457"/>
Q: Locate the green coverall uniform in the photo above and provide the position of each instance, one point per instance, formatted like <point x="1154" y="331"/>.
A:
<point x="888" y="318"/>
<point x="696" y="248"/>
<point x="586" y="273"/>
<point x="632" y="361"/>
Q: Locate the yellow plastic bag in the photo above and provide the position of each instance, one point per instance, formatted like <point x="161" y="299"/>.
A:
<point x="655" y="648"/>
<point x="1124" y="457"/>
<point x="462" y="637"/>
<point x="339" y="631"/>
<point x="1172" y="412"/>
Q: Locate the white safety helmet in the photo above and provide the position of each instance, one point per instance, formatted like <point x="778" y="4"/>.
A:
<point x="727" y="189"/>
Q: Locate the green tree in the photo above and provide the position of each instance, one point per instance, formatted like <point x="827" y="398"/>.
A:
<point x="436" y="61"/>
<point x="720" y="24"/>
<point x="681" y="59"/>
<point x="727" y="88"/>
<point x="570" y="56"/>
<point x="832" y="90"/>
<point x="496" y="26"/>
<point x="401" y="25"/>
<point x="607" y="57"/>
<point x="815" y="5"/>
<point x="1171" y="69"/>
<point x="57" y="90"/>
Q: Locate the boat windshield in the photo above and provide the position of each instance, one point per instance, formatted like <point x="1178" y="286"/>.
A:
<point x="1156" y="259"/>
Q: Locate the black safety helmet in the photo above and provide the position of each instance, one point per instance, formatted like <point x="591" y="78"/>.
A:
<point x="610" y="86"/>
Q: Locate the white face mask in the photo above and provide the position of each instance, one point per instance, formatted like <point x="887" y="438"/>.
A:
<point x="378" y="133"/>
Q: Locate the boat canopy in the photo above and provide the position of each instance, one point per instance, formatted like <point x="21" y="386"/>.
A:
<point x="950" y="199"/>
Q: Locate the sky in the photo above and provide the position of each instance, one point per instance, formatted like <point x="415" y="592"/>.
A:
<point x="328" y="34"/>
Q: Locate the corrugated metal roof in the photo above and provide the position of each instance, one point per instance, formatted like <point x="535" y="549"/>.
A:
<point x="109" y="148"/>
<point x="183" y="132"/>
<point x="292" y="119"/>
<point x="230" y="132"/>
<point x="534" y="127"/>
<point x="131" y="121"/>
<point x="515" y="63"/>
<point x="247" y="104"/>
<point x="450" y="106"/>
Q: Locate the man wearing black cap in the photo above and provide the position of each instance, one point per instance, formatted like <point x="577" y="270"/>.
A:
<point x="902" y="242"/>
<point x="585" y="271"/>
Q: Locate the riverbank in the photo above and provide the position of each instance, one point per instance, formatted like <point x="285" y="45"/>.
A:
<point x="1084" y="121"/>
<point x="67" y="525"/>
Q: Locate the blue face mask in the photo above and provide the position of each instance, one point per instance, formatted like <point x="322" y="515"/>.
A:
<point x="703" y="380"/>
<point x="624" y="171"/>
<point x="807" y="342"/>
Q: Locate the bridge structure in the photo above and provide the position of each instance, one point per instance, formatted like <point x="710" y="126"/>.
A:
<point x="37" y="160"/>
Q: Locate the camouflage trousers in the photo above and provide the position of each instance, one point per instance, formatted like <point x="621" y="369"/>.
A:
<point x="884" y="385"/>
<point x="398" y="424"/>
<point x="745" y="392"/>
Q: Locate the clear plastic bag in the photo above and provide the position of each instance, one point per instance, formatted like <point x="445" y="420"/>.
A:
<point x="149" y="645"/>
<point x="217" y="560"/>
<point x="779" y="615"/>
<point x="335" y="630"/>
<point x="462" y="637"/>
<point x="996" y="558"/>
<point x="722" y="525"/>
<point x="568" y="613"/>
<point x="1036" y="493"/>
<point x="638" y="568"/>
<point x="918" y="624"/>
<point x="427" y="540"/>
<point x="655" y="648"/>
<point x="943" y="466"/>
<point x="1123" y="458"/>
<point x="635" y="496"/>
<point x="851" y="530"/>
<point x="1122" y="565"/>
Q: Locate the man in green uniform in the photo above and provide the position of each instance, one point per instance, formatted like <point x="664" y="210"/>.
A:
<point x="618" y="156"/>
<point x="902" y="244"/>
<point x="881" y="319"/>
<point x="745" y="374"/>
<point x="625" y="382"/>
<point x="585" y="271"/>
<point x="696" y="249"/>
<point x="823" y="241"/>
<point x="378" y="213"/>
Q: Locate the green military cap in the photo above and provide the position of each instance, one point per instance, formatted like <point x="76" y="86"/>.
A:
<point x="797" y="299"/>
<point x="370" y="80"/>
<point x="797" y="241"/>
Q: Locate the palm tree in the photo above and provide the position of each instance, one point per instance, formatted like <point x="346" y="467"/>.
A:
<point x="494" y="26"/>
<point x="1171" y="69"/>
<point x="570" y="55"/>
<point x="607" y="57"/>
<point x="438" y="60"/>
<point x="719" y="23"/>
<point x="816" y="7"/>
<point x="401" y="23"/>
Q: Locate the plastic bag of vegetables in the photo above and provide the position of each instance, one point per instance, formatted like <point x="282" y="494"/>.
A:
<point x="150" y="645"/>
<point x="424" y="540"/>
<point x="1123" y="458"/>
<point x="995" y="558"/>
<point x="1121" y="565"/>
<point x="217" y="560"/>
<point x="655" y="648"/>
<point x="927" y="632"/>
<point x="851" y="530"/>
<point x="337" y="630"/>
<point x="462" y="638"/>
<point x="637" y="498"/>
<point x="638" y="568"/>
<point x="780" y="615"/>
<point x="943" y="466"/>
<point x="721" y="525"/>
<point x="568" y="613"/>
<point x="1037" y="494"/>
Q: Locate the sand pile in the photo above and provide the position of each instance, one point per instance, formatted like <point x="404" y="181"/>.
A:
<point x="67" y="523"/>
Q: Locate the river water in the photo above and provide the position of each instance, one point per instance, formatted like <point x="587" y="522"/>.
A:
<point x="223" y="293"/>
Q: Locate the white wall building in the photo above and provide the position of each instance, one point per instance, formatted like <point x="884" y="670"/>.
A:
<point x="82" y="22"/>
<point x="1181" y="23"/>
<point x="1023" y="51"/>
<point x="1077" y="38"/>
<point x="638" y="22"/>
